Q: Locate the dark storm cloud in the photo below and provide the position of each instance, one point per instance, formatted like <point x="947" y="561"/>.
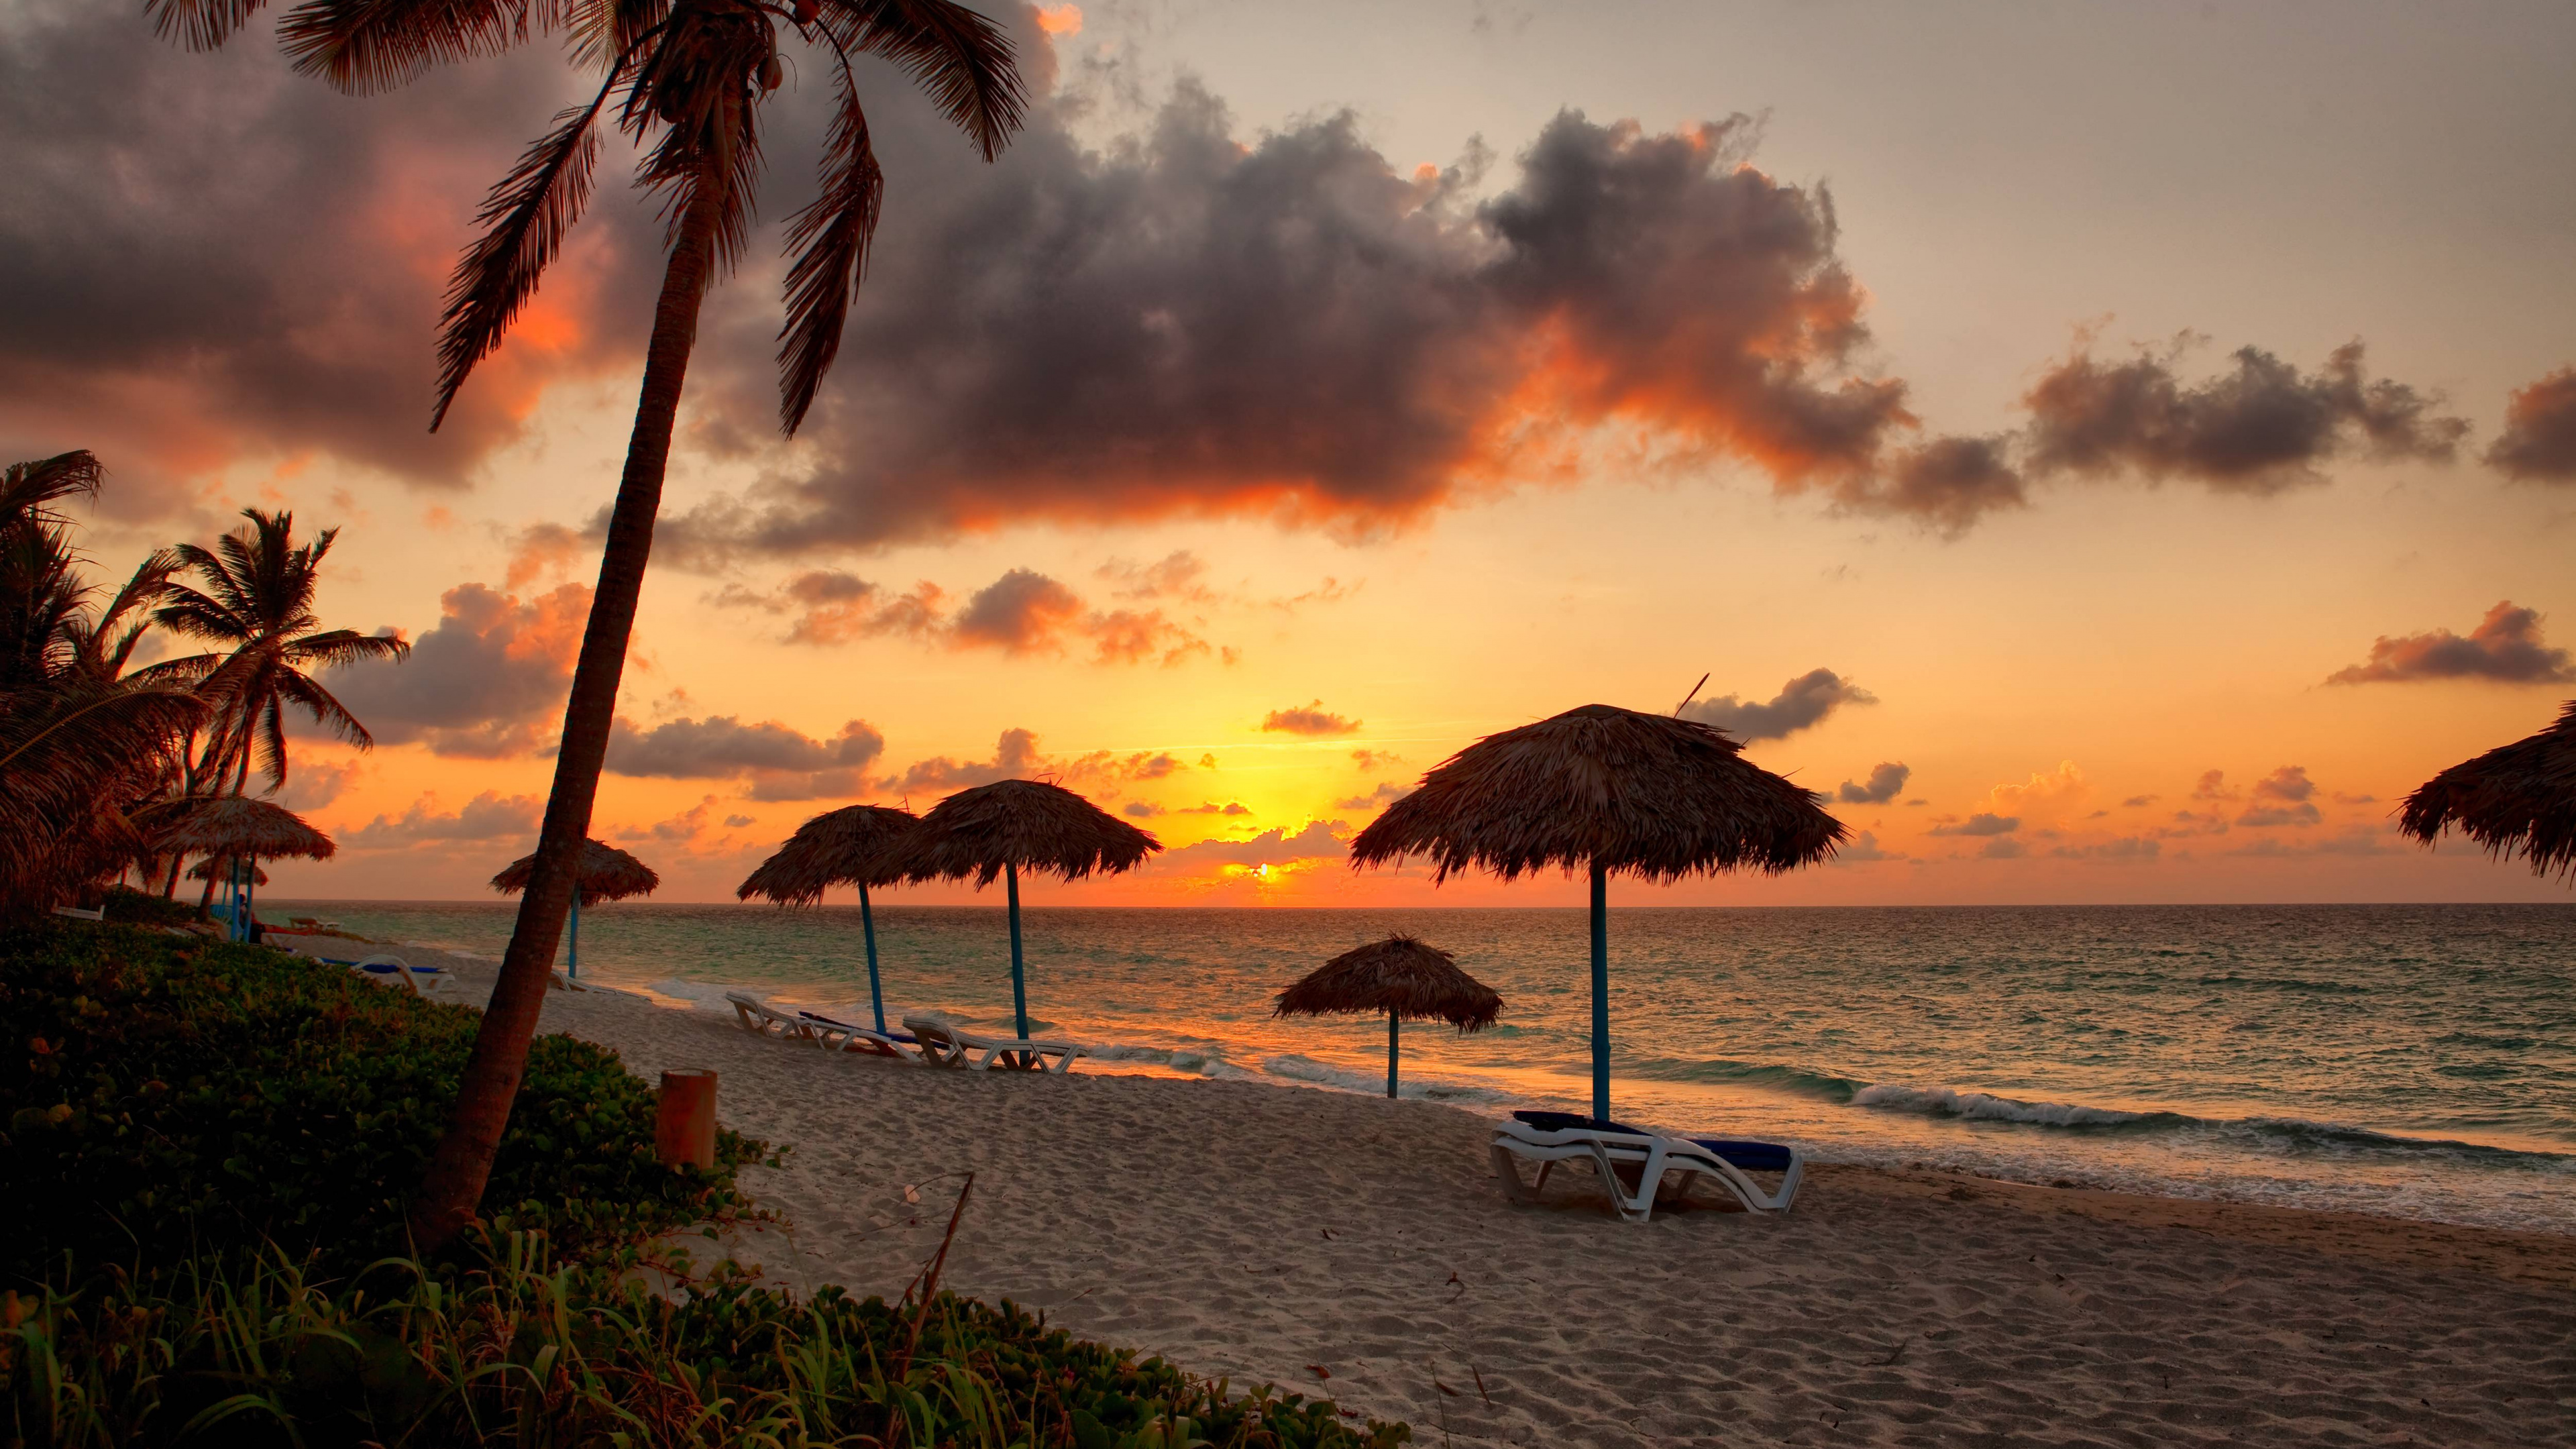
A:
<point x="2506" y="646"/>
<point x="1948" y="484"/>
<point x="2258" y="428"/>
<point x="487" y="682"/>
<point x="1886" y="782"/>
<point x="1801" y="703"/>
<point x="2539" y="440"/>
<point x="1189" y="322"/>
<point x="782" y="763"/>
<point x="209" y="258"/>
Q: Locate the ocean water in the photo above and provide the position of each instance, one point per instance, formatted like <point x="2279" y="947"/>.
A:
<point x="2415" y="1061"/>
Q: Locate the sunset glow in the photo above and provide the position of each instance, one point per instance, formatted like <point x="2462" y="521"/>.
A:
<point x="1274" y="419"/>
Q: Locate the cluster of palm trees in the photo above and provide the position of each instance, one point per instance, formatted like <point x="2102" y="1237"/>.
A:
<point x="100" y="759"/>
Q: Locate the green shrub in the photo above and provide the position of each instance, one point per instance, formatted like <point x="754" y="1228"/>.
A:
<point x="162" y="1096"/>
<point x="522" y="1355"/>
<point x="128" y="906"/>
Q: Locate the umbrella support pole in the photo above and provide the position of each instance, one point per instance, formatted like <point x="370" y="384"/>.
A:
<point x="1019" y="973"/>
<point x="572" y="963"/>
<point x="1600" y="992"/>
<point x="868" y="929"/>
<point x="1391" y="1032"/>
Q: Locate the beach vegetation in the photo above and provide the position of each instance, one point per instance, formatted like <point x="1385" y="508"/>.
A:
<point x="525" y="1351"/>
<point x="205" y="1147"/>
<point x="161" y="1095"/>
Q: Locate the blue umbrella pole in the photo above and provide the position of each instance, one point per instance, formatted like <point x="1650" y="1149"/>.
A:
<point x="1019" y="973"/>
<point x="868" y="928"/>
<point x="1600" y="993"/>
<point x="572" y="963"/>
<point x="1391" y="1030"/>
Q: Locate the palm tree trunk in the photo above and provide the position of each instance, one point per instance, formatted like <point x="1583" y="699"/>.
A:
<point x="454" y="1185"/>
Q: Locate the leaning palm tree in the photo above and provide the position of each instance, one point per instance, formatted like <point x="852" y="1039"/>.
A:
<point x="257" y="605"/>
<point x="684" y="79"/>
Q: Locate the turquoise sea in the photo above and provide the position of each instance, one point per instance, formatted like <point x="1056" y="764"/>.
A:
<point x="2408" y="1060"/>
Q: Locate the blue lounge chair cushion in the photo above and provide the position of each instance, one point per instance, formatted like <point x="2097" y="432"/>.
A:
<point x="1751" y="1156"/>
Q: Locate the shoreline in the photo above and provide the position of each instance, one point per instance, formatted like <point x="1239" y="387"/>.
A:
<point x="1264" y="1235"/>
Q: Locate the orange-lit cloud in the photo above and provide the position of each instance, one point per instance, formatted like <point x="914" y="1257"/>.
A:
<point x="2539" y="440"/>
<point x="488" y="681"/>
<point x="2505" y="647"/>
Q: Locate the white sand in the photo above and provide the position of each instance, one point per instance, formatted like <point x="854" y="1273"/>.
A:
<point x="1255" y="1231"/>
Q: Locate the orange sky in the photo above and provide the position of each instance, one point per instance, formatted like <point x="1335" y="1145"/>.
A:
<point x="1837" y="388"/>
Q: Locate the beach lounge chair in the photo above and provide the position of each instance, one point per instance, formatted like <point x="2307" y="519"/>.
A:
<point x="1614" y="1149"/>
<point x="761" y="1019"/>
<point x="421" y="979"/>
<point x="77" y="914"/>
<point x="947" y="1046"/>
<point x="835" y="1035"/>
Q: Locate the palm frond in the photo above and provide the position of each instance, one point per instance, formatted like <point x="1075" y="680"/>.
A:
<point x="341" y="647"/>
<point x="697" y="82"/>
<point x="524" y="221"/>
<point x="199" y="24"/>
<point x="307" y="694"/>
<point x="364" y="46"/>
<point x="195" y="616"/>
<point x="830" y="240"/>
<point x="29" y="490"/>
<point x="603" y="30"/>
<point x="964" y="61"/>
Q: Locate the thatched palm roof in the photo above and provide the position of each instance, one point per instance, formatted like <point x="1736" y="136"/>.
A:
<point x="205" y="869"/>
<point x="838" y="847"/>
<point x="1646" y="794"/>
<point x="607" y="874"/>
<point x="235" y="826"/>
<point x="1024" y="823"/>
<point x="2516" y="798"/>
<point x="1399" y="976"/>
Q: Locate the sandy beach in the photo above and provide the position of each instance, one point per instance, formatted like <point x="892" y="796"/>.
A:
<point x="1360" y="1249"/>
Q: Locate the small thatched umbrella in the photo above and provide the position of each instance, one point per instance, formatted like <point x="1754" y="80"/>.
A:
<point x="2519" y="797"/>
<point x="205" y="870"/>
<point x="607" y="874"/>
<point x="1611" y="789"/>
<point x="1400" y="976"/>
<point x="234" y="828"/>
<point x="837" y="847"/>
<point x="1008" y="826"/>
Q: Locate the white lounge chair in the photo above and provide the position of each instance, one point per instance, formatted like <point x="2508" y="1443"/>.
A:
<point x="946" y="1046"/>
<point x="77" y="914"/>
<point x="835" y="1035"/>
<point x="1548" y="1138"/>
<point x="761" y="1019"/>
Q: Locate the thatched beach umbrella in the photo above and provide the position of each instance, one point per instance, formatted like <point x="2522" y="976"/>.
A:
<point x="236" y="829"/>
<point x="607" y="874"/>
<point x="2516" y="798"/>
<point x="838" y="847"/>
<point x="205" y="870"/>
<point x="1400" y="976"/>
<point x="1608" y="788"/>
<point x="1009" y="826"/>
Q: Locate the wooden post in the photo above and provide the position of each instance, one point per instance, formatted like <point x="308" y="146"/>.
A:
<point x="1390" y="1053"/>
<point x="685" y="1130"/>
